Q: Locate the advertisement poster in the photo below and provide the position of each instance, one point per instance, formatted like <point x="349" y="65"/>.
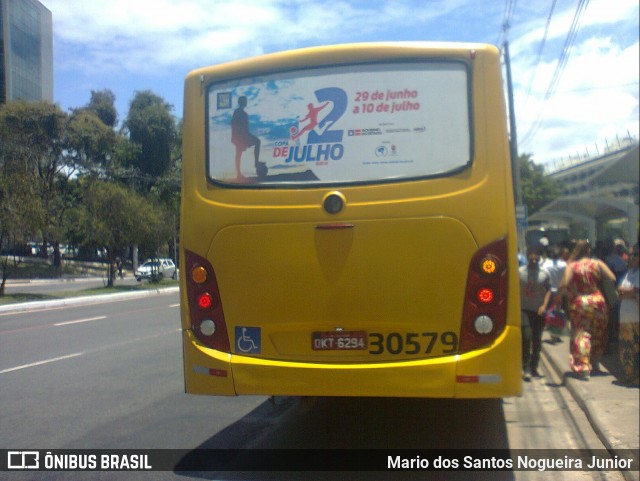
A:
<point x="346" y="124"/>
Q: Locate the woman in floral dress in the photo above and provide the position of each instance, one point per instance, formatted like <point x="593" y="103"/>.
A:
<point x="587" y="308"/>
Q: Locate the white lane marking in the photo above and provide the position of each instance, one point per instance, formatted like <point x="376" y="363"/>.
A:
<point x="58" y="324"/>
<point x="174" y="305"/>
<point x="47" y="361"/>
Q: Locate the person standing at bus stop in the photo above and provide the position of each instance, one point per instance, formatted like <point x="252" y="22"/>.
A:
<point x="587" y="308"/>
<point x="535" y="292"/>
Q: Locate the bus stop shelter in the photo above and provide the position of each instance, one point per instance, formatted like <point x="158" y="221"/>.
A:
<point x="590" y="213"/>
<point x="595" y="205"/>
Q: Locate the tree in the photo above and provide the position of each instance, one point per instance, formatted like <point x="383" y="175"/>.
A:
<point x="90" y="143"/>
<point x="537" y="188"/>
<point x="152" y="127"/>
<point x="33" y="135"/>
<point x="47" y="158"/>
<point x="19" y="212"/>
<point x="102" y="103"/>
<point x="114" y="217"/>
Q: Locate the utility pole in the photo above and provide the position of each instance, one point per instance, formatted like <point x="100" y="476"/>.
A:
<point x="521" y="210"/>
<point x="513" y="137"/>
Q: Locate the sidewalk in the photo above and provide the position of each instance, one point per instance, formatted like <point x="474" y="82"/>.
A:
<point x="611" y="407"/>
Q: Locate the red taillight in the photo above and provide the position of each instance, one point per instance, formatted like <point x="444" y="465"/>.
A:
<point x="485" y="308"/>
<point x="485" y="296"/>
<point x="205" y="301"/>
<point x="205" y="308"/>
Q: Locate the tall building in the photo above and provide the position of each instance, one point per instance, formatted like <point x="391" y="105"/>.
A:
<point x="26" y="51"/>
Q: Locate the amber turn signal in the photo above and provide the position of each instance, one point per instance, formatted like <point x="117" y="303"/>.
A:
<point x="199" y="275"/>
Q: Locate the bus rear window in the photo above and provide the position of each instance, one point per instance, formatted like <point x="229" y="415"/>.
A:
<point x="360" y="123"/>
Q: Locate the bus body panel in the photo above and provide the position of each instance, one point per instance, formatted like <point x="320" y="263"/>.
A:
<point x="384" y="276"/>
<point x="480" y="374"/>
<point x="206" y="371"/>
<point x="395" y="265"/>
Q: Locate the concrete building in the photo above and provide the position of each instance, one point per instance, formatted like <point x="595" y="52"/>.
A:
<point x="598" y="192"/>
<point x="26" y="51"/>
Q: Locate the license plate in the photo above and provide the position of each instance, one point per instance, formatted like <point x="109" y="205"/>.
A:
<point x="339" y="340"/>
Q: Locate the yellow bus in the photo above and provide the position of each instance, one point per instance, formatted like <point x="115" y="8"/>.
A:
<point x="348" y="225"/>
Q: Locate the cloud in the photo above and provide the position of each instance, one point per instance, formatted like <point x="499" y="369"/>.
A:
<point x="163" y="34"/>
<point x="596" y="97"/>
<point x="151" y="44"/>
<point x="158" y="34"/>
<point x="108" y="36"/>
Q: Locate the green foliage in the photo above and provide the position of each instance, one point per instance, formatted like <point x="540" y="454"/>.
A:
<point x="20" y="209"/>
<point x="32" y="146"/>
<point x="32" y="130"/>
<point x="113" y="217"/>
<point x="152" y="127"/>
<point x="19" y="214"/>
<point x="102" y="103"/>
<point x="537" y="189"/>
<point x="22" y="205"/>
<point x="71" y="178"/>
<point x="90" y="143"/>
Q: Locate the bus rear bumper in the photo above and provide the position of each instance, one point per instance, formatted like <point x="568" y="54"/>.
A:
<point x="486" y="373"/>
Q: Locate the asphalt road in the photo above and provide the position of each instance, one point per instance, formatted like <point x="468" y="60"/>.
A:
<point x="109" y="375"/>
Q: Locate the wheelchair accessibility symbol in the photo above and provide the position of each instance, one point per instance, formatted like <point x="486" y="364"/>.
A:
<point x="248" y="340"/>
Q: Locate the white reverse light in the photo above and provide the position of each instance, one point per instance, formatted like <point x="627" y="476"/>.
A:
<point x="207" y="327"/>
<point x="483" y="324"/>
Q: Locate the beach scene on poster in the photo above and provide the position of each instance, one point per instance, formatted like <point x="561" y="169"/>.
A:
<point x="357" y="123"/>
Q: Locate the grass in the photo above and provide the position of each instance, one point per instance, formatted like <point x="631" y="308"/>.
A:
<point x="40" y="269"/>
<point x="18" y="297"/>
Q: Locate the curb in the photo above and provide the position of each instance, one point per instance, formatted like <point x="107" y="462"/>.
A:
<point x="590" y="410"/>
<point x="84" y="300"/>
<point x="579" y="398"/>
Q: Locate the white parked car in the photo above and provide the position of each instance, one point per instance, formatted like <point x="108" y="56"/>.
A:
<point x="156" y="269"/>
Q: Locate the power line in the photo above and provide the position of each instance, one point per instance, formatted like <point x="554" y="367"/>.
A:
<point x="566" y="49"/>
<point x="590" y="89"/>
<point x="541" y="48"/>
<point x="560" y="67"/>
<point x="509" y="10"/>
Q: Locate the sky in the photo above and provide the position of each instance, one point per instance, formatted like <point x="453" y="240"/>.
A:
<point x="574" y="63"/>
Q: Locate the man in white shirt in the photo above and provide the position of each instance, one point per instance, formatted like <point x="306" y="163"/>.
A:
<point x="535" y="292"/>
